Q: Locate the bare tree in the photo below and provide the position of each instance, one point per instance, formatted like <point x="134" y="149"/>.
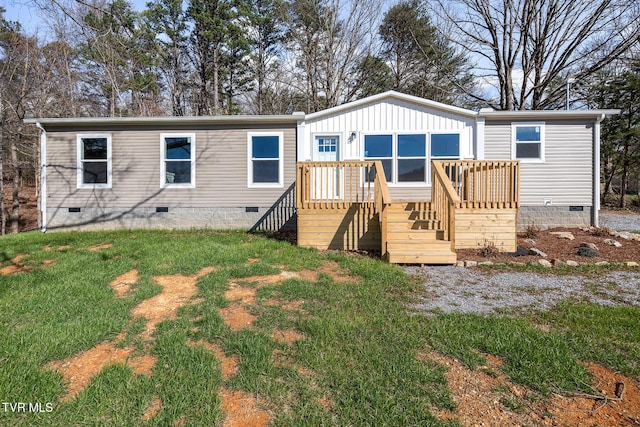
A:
<point x="330" y="38"/>
<point x="524" y="46"/>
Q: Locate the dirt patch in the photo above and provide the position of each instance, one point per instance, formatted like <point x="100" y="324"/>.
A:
<point x="122" y="284"/>
<point x="582" y="411"/>
<point x="15" y="267"/>
<point x="240" y="293"/>
<point x="562" y="249"/>
<point x="98" y="248"/>
<point x="253" y="260"/>
<point x="152" y="410"/>
<point x="78" y="370"/>
<point x="48" y="262"/>
<point x="487" y="395"/>
<point x="332" y="269"/>
<point x="177" y="290"/>
<point x="229" y="364"/>
<point x="287" y="336"/>
<point x="237" y="317"/>
<point x="242" y="410"/>
<point x="63" y="248"/>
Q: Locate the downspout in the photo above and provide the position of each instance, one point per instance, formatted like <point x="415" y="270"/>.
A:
<point x="596" y="172"/>
<point x="43" y="176"/>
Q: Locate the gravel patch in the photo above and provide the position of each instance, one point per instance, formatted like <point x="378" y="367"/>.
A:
<point x="620" y="222"/>
<point x="470" y="290"/>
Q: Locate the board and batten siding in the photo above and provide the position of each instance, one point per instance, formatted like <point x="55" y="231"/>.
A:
<point x="388" y="116"/>
<point x="221" y="170"/>
<point x="565" y="177"/>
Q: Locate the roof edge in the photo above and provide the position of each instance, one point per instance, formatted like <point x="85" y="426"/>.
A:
<point x="131" y="121"/>
<point x="547" y="114"/>
<point x="391" y="94"/>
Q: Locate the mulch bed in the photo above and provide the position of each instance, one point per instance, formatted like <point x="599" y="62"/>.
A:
<point x="562" y="249"/>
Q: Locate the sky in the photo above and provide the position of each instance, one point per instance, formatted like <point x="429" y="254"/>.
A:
<point x="28" y="15"/>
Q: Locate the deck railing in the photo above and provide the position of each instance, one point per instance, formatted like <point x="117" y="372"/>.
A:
<point x="335" y="185"/>
<point x="484" y="183"/>
<point x="472" y="184"/>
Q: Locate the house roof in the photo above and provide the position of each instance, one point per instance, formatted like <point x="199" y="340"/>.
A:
<point x="545" y="114"/>
<point x="181" y="120"/>
<point x="392" y="95"/>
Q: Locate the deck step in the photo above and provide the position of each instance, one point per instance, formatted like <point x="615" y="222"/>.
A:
<point x="411" y="257"/>
<point x="418" y="246"/>
<point x="412" y="215"/>
<point x="418" y="224"/>
<point x="409" y="206"/>
<point x="416" y="235"/>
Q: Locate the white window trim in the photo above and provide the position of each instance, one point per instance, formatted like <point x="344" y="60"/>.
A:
<point x="163" y="164"/>
<point x="280" y="183"/>
<point x="394" y="150"/>
<point x="514" y="126"/>
<point x="79" y="149"/>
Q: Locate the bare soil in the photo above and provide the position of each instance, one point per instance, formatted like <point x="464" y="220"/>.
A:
<point x="485" y="396"/>
<point x="558" y="248"/>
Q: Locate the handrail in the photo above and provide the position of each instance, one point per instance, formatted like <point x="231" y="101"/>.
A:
<point x="444" y="201"/>
<point x="383" y="199"/>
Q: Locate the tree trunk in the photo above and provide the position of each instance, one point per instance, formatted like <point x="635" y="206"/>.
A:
<point x="623" y="185"/>
<point x="3" y="214"/>
<point x="15" y="193"/>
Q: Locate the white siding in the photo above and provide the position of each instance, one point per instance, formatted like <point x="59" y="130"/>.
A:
<point x="566" y="176"/>
<point x="389" y="115"/>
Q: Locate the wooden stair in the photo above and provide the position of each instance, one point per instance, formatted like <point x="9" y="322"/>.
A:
<point x="414" y="235"/>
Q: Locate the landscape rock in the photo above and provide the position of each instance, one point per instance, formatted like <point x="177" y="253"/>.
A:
<point x="631" y="264"/>
<point x="602" y="263"/>
<point x="623" y="235"/>
<point x="563" y="235"/>
<point x="537" y="252"/>
<point x="587" y="252"/>
<point x="460" y="264"/>
<point x="571" y="263"/>
<point x="530" y="242"/>
<point x="470" y="263"/>
<point x="544" y="263"/>
<point x="520" y="251"/>
<point x="591" y="246"/>
<point x="557" y="262"/>
<point x="612" y="242"/>
<point x="485" y="263"/>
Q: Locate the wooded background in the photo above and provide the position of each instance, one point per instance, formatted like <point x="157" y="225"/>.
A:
<point x="211" y="57"/>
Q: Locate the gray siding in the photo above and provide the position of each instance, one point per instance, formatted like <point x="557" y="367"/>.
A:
<point x="221" y="170"/>
<point x="566" y="176"/>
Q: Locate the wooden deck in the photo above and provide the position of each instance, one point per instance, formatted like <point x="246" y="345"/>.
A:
<point x="347" y="206"/>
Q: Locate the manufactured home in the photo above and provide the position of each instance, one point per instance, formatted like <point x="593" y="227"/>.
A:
<point x="412" y="178"/>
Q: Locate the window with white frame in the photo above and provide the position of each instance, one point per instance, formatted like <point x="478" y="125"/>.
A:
<point x="327" y="144"/>
<point x="94" y="160"/>
<point x="412" y="158"/>
<point x="380" y="147"/>
<point x="177" y="164"/>
<point x="527" y="142"/>
<point x="265" y="159"/>
<point x="405" y="156"/>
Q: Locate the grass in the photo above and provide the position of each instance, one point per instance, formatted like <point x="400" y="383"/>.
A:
<point x="358" y="363"/>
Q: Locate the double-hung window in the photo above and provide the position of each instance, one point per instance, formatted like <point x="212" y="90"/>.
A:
<point x="412" y="158"/>
<point x="527" y="142"/>
<point x="380" y="147"/>
<point x="94" y="161"/>
<point x="265" y="159"/>
<point x="177" y="165"/>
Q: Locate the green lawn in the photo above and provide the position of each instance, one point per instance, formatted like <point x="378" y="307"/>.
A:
<point x="358" y="363"/>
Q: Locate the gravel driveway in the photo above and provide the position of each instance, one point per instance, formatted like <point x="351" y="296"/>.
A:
<point x="620" y="222"/>
<point x="471" y="290"/>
